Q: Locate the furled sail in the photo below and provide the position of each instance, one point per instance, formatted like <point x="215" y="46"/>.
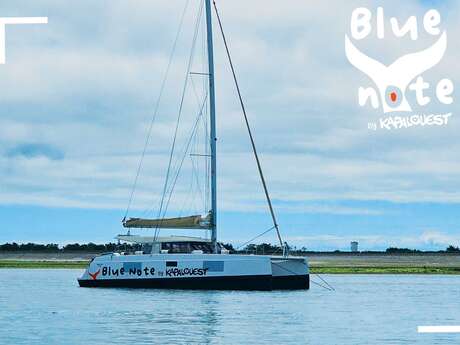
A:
<point x="150" y="239"/>
<point x="191" y="222"/>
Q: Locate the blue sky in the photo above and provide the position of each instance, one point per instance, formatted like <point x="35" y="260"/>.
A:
<point x="78" y="93"/>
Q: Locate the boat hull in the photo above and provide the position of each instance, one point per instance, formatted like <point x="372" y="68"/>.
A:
<point x="197" y="272"/>
<point x="289" y="273"/>
<point x="293" y="282"/>
<point x="260" y="283"/>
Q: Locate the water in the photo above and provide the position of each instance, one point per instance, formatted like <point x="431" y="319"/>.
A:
<point x="47" y="307"/>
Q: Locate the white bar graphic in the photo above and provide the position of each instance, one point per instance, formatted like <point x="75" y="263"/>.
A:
<point x="24" y="20"/>
<point x="438" y="329"/>
<point x="15" y="20"/>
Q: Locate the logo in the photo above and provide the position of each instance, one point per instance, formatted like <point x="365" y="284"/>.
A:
<point x="17" y="20"/>
<point x="393" y="82"/>
<point x="95" y="274"/>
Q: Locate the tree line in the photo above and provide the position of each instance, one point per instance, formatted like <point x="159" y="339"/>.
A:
<point x="263" y="248"/>
<point x="267" y="248"/>
<point x="74" y="247"/>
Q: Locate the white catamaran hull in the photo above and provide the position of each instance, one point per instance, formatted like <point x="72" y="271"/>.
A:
<point x="197" y="271"/>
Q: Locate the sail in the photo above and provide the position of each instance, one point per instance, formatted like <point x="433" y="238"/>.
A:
<point x="191" y="222"/>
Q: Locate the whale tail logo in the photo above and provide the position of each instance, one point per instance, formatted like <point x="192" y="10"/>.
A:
<point x="393" y="80"/>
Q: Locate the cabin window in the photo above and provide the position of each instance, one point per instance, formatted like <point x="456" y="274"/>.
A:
<point x="214" y="266"/>
<point x="171" y="263"/>
<point x="186" y="247"/>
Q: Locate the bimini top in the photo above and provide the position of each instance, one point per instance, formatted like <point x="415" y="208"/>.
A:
<point x="150" y="239"/>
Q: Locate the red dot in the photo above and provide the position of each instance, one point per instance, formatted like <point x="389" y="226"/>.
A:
<point x="393" y="96"/>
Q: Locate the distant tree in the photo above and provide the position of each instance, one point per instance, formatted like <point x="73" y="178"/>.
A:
<point x="92" y="247"/>
<point x="9" y="247"/>
<point x="250" y="248"/>
<point x="452" y="249"/>
<point x="394" y="250"/>
<point x="74" y="247"/>
<point x="267" y="248"/>
<point x="111" y="247"/>
<point x="229" y="247"/>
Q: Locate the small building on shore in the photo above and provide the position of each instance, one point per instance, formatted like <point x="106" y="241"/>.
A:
<point x="354" y="246"/>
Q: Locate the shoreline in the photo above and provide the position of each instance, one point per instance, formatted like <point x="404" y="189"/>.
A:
<point x="319" y="264"/>
<point x="55" y="264"/>
<point x="23" y="264"/>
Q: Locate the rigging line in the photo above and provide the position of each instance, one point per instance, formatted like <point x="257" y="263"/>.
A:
<point x="187" y="197"/>
<point x="189" y="65"/>
<point x="157" y="105"/>
<point x="201" y="108"/>
<point x="197" y="178"/>
<point x="199" y="73"/>
<point x="195" y="92"/>
<point x="186" y="148"/>
<point x="252" y="239"/>
<point x="177" y="167"/>
<point x="249" y="128"/>
<point x="190" y="191"/>
<point x="179" y="114"/>
<point x="197" y="164"/>
<point x="276" y="251"/>
<point x="330" y="288"/>
<point x="183" y="158"/>
<point x="321" y="285"/>
<point x="324" y="280"/>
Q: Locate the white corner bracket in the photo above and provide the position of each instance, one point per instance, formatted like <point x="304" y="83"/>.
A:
<point x="15" y="20"/>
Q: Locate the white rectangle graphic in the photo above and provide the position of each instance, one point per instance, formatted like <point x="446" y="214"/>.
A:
<point x="438" y="329"/>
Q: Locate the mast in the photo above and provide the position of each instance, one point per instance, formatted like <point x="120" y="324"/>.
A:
<point x="213" y="138"/>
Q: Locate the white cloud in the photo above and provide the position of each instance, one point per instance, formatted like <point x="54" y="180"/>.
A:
<point x="429" y="240"/>
<point x="96" y="71"/>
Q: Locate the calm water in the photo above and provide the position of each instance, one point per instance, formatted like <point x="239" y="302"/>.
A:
<point x="47" y="307"/>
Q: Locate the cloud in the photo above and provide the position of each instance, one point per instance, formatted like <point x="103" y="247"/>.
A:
<point x="35" y="150"/>
<point x="77" y="97"/>
<point x="428" y="240"/>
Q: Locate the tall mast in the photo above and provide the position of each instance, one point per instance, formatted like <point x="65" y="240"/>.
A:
<point x="213" y="138"/>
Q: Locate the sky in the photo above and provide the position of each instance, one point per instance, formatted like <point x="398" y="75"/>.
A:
<point x="78" y="94"/>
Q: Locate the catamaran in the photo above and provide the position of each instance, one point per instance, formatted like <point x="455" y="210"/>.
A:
<point x="184" y="262"/>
